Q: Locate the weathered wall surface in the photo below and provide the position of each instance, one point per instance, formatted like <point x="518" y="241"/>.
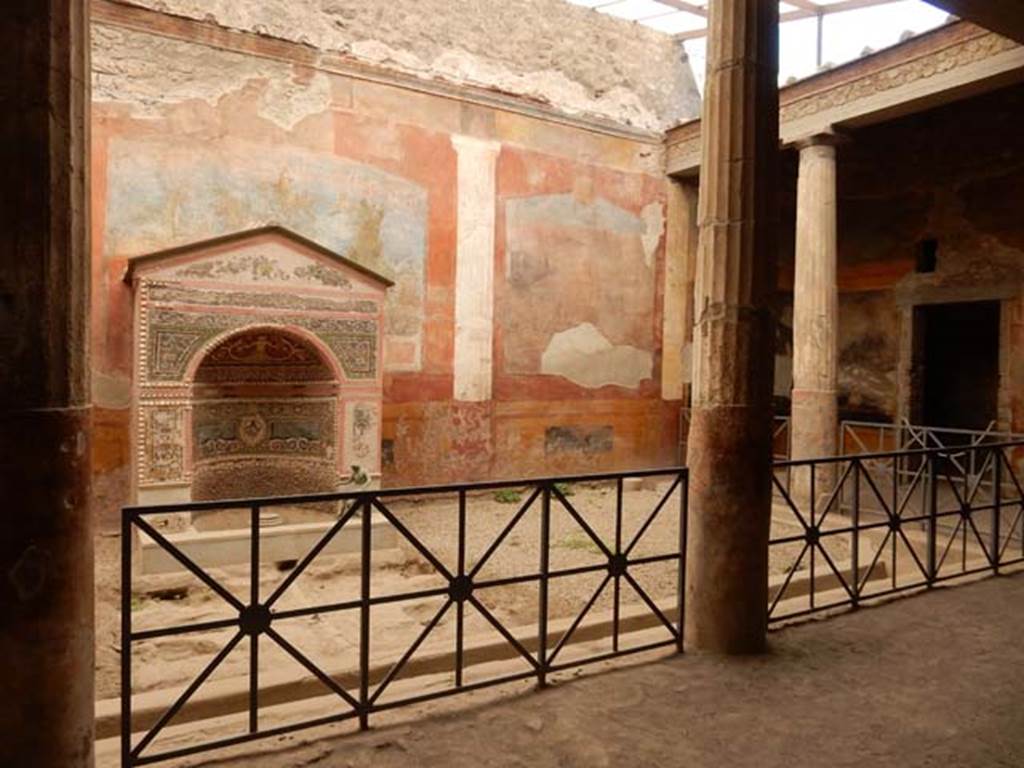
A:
<point x="954" y="175"/>
<point x="200" y="131"/>
<point x="551" y="51"/>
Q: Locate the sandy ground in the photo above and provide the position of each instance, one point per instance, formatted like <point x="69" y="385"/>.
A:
<point x="332" y="639"/>
<point x="932" y="680"/>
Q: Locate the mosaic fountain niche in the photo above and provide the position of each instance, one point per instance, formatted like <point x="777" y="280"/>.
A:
<point x="257" y="373"/>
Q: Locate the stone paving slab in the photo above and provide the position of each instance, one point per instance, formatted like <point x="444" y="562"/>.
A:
<point x="932" y="680"/>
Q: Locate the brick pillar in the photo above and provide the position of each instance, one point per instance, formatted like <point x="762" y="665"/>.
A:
<point x="46" y="568"/>
<point x="814" y="422"/>
<point x="729" y="451"/>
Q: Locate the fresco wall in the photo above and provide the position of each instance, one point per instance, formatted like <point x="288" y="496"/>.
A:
<point x="200" y="132"/>
<point x="954" y="176"/>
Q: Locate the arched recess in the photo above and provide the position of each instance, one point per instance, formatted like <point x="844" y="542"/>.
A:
<point x="265" y="415"/>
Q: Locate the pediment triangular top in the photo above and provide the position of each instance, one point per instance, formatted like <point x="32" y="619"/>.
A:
<point x="268" y="256"/>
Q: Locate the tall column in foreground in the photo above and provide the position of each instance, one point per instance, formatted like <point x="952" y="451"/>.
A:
<point x="46" y="568"/>
<point x="730" y="436"/>
<point x="815" y="309"/>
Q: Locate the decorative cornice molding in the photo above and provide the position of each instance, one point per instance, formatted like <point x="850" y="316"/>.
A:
<point x="811" y="106"/>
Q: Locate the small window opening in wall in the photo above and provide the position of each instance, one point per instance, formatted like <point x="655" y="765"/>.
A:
<point x="927" y="255"/>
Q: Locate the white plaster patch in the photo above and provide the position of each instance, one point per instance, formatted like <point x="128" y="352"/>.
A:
<point x="653" y="217"/>
<point x="287" y="102"/>
<point x="583" y="355"/>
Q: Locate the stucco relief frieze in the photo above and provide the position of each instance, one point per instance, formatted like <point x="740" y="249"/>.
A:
<point x="259" y="268"/>
<point x="952" y="57"/>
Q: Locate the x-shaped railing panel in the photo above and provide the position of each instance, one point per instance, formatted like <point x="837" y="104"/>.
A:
<point x="974" y="478"/>
<point x="260" y="617"/>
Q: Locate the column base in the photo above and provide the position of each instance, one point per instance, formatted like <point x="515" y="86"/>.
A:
<point x="46" y="589"/>
<point x="813" y="429"/>
<point x="729" y="521"/>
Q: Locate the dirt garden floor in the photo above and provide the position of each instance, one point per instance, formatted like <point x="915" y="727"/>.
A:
<point x="933" y="680"/>
<point x="331" y="640"/>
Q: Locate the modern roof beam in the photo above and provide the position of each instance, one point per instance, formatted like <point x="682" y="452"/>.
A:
<point x="807" y="9"/>
<point x="1006" y="17"/>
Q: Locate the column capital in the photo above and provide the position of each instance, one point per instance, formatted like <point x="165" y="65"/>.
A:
<point x="830" y="138"/>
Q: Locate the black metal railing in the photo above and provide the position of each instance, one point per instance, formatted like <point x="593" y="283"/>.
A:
<point x="257" y="618"/>
<point x="882" y="523"/>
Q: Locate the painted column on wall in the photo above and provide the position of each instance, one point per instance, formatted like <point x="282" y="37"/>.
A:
<point x="474" y="267"/>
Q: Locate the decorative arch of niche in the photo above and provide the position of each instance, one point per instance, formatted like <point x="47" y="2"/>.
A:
<point x="268" y="294"/>
<point x="264" y="415"/>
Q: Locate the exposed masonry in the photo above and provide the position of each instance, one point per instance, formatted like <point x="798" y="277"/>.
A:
<point x="148" y="72"/>
<point x="572" y="58"/>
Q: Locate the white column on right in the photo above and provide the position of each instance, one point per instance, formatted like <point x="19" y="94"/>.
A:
<point x="814" y="425"/>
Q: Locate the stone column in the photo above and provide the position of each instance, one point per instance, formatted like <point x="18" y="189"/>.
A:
<point x="46" y="568"/>
<point x="729" y="450"/>
<point x="814" y="421"/>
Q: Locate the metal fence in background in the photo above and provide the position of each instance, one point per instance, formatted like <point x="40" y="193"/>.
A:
<point x="877" y="524"/>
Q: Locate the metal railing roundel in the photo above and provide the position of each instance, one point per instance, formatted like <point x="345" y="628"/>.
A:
<point x="256" y="620"/>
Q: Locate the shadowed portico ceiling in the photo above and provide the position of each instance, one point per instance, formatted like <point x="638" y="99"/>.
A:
<point x="688" y="19"/>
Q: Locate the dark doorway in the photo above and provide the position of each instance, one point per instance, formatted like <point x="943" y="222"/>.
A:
<point x="958" y="364"/>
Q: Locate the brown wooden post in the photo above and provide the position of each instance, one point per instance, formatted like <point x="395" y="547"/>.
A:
<point x="46" y="567"/>
<point x="729" y="451"/>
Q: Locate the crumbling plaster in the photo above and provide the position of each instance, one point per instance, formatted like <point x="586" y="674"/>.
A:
<point x="150" y="72"/>
<point x="572" y="58"/>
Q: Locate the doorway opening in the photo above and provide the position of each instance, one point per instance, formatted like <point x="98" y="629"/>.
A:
<point x="957" y="364"/>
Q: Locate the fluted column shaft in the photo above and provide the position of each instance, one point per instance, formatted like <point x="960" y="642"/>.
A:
<point x="815" y="315"/>
<point x="729" y="451"/>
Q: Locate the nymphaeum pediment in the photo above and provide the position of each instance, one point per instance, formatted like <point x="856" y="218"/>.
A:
<point x="267" y="258"/>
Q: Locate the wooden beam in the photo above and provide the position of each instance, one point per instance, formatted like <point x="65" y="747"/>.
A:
<point x="682" y="5"/>
<point x="807" y="13"/>
<point x="806" y="5"/>
<point x="1005" y="17"/>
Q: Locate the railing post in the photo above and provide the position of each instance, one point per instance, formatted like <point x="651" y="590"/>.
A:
<point x="460" y="607"/>
<point x="254" y="600"/>
<point x="364" y="618"/>
<point x="997" y="507"/>
<point x="684" y="513"/>
<point x="855" y="544"/>
<point x="542" y="609"/>
<point x="933" y="519"/>
<point x="617" y="579"/>
<point x="126" y="639"/>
